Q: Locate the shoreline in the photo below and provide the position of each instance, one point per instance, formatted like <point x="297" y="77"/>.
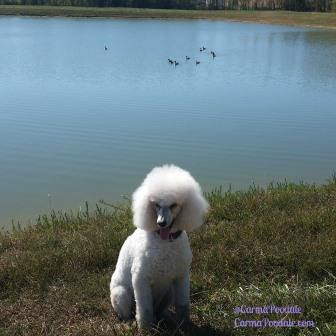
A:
<point x="300" y="19"/>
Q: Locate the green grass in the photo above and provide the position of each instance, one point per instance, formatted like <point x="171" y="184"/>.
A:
<point x="258" y="247"/>
<point x="321" y="20"/>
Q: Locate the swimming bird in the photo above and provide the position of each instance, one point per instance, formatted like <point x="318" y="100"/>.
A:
<point x="105" y="48"/>
<point x="213" y="54"/>
<point x="198" y="62"/>
<point x="201" y="49"/>
<point x="176" y="63"/>
<point x="170" y="61"/>
<point x="187" y="58"/>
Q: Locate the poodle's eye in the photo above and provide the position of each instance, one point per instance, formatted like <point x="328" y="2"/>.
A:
<point x="157" y="205"/>
<point x="174" y="205"/>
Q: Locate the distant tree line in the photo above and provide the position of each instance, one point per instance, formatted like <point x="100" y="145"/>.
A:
<point x="295" y="5"/>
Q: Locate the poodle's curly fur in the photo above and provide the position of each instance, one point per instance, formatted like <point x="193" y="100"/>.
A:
<point x="154" y="263"/>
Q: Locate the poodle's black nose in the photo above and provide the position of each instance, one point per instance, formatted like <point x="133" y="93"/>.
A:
<point x="162" y="224"/>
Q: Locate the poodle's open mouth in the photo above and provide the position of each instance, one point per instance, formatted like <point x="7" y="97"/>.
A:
<point x="164" y="232"/>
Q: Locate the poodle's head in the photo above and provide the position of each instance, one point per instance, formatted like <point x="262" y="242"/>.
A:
<point x="168" y="200"/>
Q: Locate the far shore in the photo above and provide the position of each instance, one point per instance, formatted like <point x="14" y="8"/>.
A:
<point x="304" y="19"/>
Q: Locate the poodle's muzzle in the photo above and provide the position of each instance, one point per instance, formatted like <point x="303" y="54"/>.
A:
<point x="164" y="217"/>
<point x="165" y="221"/>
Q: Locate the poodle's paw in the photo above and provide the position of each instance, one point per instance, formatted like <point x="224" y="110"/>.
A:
<point x="146" y="321"/>
<point x="145" y="325"/>
<point x="166" y="316"/>
<point x="182" y="313"/>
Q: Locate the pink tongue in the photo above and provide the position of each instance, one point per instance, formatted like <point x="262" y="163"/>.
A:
<point x="164" y="233"/>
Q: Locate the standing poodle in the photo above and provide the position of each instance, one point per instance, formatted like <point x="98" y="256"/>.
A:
<point x="153" y="267"/>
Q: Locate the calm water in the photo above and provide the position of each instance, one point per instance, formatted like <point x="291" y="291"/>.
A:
<point x="81" y="123"/>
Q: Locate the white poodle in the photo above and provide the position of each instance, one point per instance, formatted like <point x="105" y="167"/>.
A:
<point x="154" y="263"/>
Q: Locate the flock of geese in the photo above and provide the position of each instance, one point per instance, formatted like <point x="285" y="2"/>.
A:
<point x="187" y="58"/>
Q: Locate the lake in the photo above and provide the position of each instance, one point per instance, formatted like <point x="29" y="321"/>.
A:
<point x="80" y="123"/>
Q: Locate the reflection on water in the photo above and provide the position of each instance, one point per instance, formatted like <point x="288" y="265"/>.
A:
<point x="81" y="123"/>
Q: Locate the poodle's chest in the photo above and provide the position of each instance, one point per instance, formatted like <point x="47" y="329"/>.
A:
<point x="168" y="262"/>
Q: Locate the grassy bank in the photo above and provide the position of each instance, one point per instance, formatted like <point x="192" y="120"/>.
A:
<point x="260" y="247"/>
<point x="322" y="20"/>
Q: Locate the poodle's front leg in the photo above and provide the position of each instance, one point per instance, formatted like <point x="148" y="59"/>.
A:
<point x="143" y="301"/>
<point x="182" y="297"/>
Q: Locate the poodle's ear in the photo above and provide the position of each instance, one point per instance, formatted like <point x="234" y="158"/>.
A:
<point x="143" y="214"/>
<point x="193" y="211"/>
